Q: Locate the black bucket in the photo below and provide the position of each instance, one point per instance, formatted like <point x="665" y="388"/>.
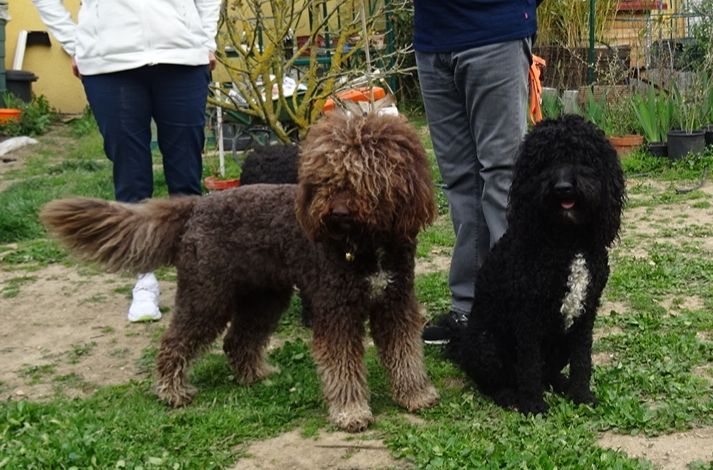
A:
<point x="681" y="143"/>
<point x="657" y="149"/>
<point x="709" y="135"/>
<point x="19" y="83"/>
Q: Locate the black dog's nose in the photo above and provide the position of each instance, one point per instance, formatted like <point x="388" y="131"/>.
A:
<point x="564" y="188"/>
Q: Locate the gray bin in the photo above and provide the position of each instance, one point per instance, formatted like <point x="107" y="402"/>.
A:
<point x="19" y="83"/>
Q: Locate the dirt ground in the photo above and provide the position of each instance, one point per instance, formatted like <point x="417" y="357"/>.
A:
<point x="66" y="324"/>
<point x="66" y="329"/>
<point x="670" y="452"/>
<point x="328" y="451"/>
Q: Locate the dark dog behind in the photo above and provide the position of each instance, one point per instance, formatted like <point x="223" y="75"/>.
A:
<point x="271" y="164"/>
<point x="345" y="235"/>
<point x="539" y="289"/>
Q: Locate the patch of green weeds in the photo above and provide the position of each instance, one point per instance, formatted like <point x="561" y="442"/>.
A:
<point x="35" y="118"/>
<point x="651" y="386"/>
<point x="33" y="254"/>
<point x="124" y="290"/>
<point x="79" y="351"/>
<point x="432" y="291"/>
<point x="127" y="426"/>
<point x="120" y="352"/>
<point x="667" y="269"/>
<point x="440" y="234"/>
<point x="11" y="287"/>
<point x="701" y="205"/>
<point x="35" y="374"/>
<point x="691" y="167"/>
<point x="72" y="380"/>
<point x="85" y="125"/>
<point x="166" y="273"/>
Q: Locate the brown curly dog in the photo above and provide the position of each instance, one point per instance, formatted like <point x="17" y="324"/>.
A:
<point x="364" y="193"/>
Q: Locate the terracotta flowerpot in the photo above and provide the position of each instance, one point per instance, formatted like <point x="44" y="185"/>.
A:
<point x="626" y="143"/>
<point x="9" y="114"/>
<point x="213" y="183"/>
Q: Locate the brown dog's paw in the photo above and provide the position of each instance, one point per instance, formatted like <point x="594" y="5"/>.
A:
<point x="352" y="418"/>
<point x="256" y="374"/>
<point x="176" y="396"/>
<point x="424" y="398"/>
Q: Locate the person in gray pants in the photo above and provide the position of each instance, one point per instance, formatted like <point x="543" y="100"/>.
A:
<point x="473" y="58"/>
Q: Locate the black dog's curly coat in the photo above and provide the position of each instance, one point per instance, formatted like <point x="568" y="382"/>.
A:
<point x="538" y="291"/>
<point x="271" y="164"/>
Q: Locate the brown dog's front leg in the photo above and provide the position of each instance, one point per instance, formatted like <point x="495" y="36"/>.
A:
<point x="397" y="335"/>
<point x="339" y="353"/>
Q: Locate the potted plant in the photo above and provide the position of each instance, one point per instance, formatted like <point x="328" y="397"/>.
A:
<point x="688" y="107"/>
<point x="708" y="113"/>
<point x="615" y="120"/>
<point x="552" y="106"/>
<point x="653" y="113"/>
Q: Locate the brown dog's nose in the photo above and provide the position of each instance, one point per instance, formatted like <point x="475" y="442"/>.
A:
<point x="340" y="210"/>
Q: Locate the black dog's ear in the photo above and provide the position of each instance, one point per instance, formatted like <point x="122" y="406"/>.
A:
<point x="533" y="151"/>
<point x="614" y="196"/>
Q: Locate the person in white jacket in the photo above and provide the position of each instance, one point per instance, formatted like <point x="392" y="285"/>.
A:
<point x="138" y="60"/>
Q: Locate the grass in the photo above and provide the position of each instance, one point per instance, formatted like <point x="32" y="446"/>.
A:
<point x="657" y="341"/>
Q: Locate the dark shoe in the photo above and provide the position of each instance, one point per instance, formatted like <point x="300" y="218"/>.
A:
<point x="443" y="328"/>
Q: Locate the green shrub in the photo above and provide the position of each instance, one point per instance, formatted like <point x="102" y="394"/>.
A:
<point x="35" y="118"/>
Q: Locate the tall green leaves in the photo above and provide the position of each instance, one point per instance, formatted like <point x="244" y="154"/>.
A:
<point x="654" y="113"/>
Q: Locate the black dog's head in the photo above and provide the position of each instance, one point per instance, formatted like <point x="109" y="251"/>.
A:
<point x="568" y="176"/>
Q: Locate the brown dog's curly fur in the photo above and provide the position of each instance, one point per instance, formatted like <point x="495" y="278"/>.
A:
<point x="364" y="193"/>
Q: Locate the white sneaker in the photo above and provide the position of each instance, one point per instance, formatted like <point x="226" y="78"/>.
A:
<point x="144" y="306"/>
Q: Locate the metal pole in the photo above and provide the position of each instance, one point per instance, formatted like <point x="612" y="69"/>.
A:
<point x="390" y="45"/>
<point x="219" y="119"/>
<point x="590" y="55"/>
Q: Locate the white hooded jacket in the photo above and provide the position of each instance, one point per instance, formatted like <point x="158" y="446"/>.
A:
<point x="116" y="35"/>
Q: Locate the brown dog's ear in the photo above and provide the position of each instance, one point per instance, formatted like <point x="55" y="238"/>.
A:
<point x="418" y="208"/>
<point x="305" y="216"/>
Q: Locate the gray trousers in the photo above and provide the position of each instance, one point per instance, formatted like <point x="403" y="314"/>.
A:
<point x="476" y="105"/>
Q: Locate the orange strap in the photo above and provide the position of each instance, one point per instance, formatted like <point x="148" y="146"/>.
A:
<point x="535" y="110"/>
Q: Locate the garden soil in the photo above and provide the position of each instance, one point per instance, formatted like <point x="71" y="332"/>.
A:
<point x="65" y="329"/>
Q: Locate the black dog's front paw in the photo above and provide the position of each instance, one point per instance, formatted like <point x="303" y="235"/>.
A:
<point x="559" y="383"/>
<point x="585" y="397"/>
<point x="532" y="406"/>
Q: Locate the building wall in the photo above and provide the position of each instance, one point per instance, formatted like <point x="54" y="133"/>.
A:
<point x="51" y="64"/>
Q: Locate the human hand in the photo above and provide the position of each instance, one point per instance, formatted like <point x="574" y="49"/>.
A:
<point x="75" y="69"/>
<point x="211" y="60"/>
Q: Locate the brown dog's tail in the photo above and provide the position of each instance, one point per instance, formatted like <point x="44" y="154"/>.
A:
<point x="133" y="237"/>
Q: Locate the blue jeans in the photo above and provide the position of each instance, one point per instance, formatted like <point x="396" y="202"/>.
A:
<point x="124" y="103"/>
<point x="476" y="104"/>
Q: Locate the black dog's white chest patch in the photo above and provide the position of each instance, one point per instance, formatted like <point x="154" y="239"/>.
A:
<point x="577" y="284"/>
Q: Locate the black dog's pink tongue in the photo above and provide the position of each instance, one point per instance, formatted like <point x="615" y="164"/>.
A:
<point x="567" y="204"/>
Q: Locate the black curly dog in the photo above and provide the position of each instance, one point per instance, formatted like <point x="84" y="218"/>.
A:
<point x="270" y="164"/>
<point x="538" y="290"/>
